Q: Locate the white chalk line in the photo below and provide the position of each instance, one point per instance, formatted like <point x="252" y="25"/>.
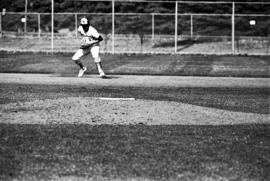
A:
<point x="116" y="98"/>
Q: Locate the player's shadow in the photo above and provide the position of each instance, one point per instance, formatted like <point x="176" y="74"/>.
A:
<point x="110" y="77"/>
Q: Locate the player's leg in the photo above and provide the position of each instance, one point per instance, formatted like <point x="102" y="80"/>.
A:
<point x="76" y="58"/>
<point x="95" y="54"/>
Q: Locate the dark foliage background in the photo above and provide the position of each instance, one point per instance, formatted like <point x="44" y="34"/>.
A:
<point x="203" y="25"/>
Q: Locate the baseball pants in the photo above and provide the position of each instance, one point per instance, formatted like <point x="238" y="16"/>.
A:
<point x="83" y="52"/>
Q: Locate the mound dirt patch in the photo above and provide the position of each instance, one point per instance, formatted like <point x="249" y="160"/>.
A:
<point x="78" y="110"/>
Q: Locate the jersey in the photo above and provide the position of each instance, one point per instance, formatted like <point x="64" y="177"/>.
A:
<point x="91" y="35"/>
<point x="92" y="32"/>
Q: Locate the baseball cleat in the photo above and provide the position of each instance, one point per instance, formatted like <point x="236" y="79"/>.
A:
<point x="81" y="72"/>
<point x="102" y="75"/>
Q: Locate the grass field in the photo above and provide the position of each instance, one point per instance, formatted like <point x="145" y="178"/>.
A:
<point x="91" y="148"/>
<point x="196" y="65"/>
<point x="134" y="152"/>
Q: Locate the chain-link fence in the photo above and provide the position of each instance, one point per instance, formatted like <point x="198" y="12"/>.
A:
<point x="186" y="30"/>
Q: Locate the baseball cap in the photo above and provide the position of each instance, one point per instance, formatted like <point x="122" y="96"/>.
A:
<point x="84" y="21"/>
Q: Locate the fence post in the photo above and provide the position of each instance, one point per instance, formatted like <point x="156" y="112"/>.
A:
<point x="25" y="16"/>
<point x="176" y="26"/>
<point x="191" y="26"/>
<point x="1" y="30"/>
<point x="52" y="28"/>
<point x="39" y="25"/>
<point x="76" y="24"/>
<point x="153" y="28"/>
<point x="113" y="26"/>
<point x="233" y="27"/>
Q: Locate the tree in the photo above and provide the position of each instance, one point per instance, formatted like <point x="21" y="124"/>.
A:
<point x="132" y="25"/>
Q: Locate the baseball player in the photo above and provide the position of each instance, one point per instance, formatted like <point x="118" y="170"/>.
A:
<point x="89" y="43"/>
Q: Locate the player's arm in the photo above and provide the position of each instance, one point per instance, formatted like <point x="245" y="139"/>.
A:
<point x="99" y="38"/>
<point x="95" y="35"/>
<point x="80" y="30"/>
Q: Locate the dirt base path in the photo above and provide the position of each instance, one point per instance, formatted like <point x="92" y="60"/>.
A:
<point x="135" y="81"/>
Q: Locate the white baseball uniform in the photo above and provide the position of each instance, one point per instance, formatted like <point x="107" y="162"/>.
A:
<point x="94" y="49"/>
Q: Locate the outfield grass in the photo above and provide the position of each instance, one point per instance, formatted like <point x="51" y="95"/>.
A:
<point x="195" y="65"/>
<point x="137" y="152"/>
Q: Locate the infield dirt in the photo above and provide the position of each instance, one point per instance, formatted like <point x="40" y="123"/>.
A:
<point x="90" y="110"/>
<point x="77" y="110"/>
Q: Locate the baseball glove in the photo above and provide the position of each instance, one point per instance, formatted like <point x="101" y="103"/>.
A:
<point x="86" y="42"/>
